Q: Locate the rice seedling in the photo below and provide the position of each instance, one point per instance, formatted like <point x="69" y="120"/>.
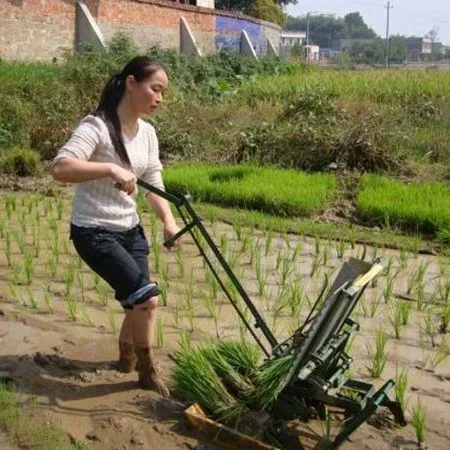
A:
<point x="52" y="267"/>
<point x="317" y="244"/>
<point x="254" y="250"/>
<point x="278" y="259"/>
<point x="55" y="247"/>
<point x="213" y="283"/>
<point x="23" y="221"/>
<point x="72" y="307"/>
<point x="388" y="267"/>
<point x="243" y="330"/>
<point x="229" y="376"/>
<point x="377" y="356"/>
<point x="429" y="327"/>
<point x="395" y="319"/>
<point x="389" y="289"/>
<point x="85" y="316"/>
<point x="401" y="385"/>
<point x="68" y="280"/>
<point x="156" y="257"/>
<point x="269" y="241"/>
<point x="8" y="252"/>
<point x="32" y="299"/>
<point x="419" y="421"/>
<point x="112" y="319"/>
<point x="176" y="316"/>
<point x="196" y="380"/>
<point x="340" y="248"/>
<point x="37" y="241"/>
<point x="65" y="247"/>
<point x="13" y="292"/>
<point x="243" y="356"/>
<point x="246" y="243"/>
<point x="180" y="262"/>
<point x="403" y="258"/>
<point x="164" y="292"/>
<point x="405" y="309"/>
<point x="53" y="225"/>
<point x="213" y="310"/>
<point x="96" y="280"/>
<point x="189" y="305"/>
<point x="238" y="230"/>
<point x="223" y="246"/>
<point x="286" y="271"/>
<point x="28" y="266"/>
<point x="316" y="264"/>
<point x="269" y="381"/>
<point x="443" y="292"/>
<point x="326" y="254"/>
<point x="440" y="353"/>
<point x="81" y="283"/>
<point x="296" y="252"/>
<point x="16" y="272"/>
<point x="102" y="291"/>
<point x="48" y="301"/>
<point x="59" y="207"/>
<point x="352" y="237"/>
<point x="444" y="315"/>
<point x="420" y="293"/>
<point x="164" y="273"/>
<point x="20" y="240"/>
<point x="160" y="332"/>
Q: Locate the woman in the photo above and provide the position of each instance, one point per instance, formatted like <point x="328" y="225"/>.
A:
<point x="105" y="155"/>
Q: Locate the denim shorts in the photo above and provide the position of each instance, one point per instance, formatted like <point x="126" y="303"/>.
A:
<point x="120" y="258"/>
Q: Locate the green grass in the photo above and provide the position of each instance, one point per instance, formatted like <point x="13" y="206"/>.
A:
<point x="418" y="207"/>
<point x="282" y="192"/>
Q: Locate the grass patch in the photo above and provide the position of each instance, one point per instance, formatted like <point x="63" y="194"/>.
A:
<point x="27" y="427"/>
<point x="274" y="191"/>
<point x="419" y="207"/>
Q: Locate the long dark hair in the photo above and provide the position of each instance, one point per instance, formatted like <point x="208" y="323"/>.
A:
<point x="141" y="67"/>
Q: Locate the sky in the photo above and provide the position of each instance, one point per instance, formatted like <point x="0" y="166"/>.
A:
<point x="407" y="17"/>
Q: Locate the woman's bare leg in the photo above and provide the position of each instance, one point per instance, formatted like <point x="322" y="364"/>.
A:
<point x="143" y="327"/>
<point x="127" y="356"/>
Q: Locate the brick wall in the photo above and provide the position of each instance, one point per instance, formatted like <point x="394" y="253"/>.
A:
<point x="152" y="21"/>
<point x="42" y="29"/>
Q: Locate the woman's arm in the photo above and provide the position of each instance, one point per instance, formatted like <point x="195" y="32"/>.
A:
<point x="74" y="170"/>
<point x="163" y="211"/>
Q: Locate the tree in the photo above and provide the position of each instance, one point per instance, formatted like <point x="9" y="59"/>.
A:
<point x="357" y="28"/>
<point x="246" y="6"/>
<point x="268" y="10"/>
<point x="324" y="28"/>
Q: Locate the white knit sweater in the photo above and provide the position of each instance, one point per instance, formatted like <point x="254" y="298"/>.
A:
<point x="99" y="203"/>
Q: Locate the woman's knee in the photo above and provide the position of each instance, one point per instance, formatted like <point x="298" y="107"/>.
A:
<point x="149" y="305"/>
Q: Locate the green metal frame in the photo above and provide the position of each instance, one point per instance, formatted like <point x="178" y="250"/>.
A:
<point x="317" y="377"/>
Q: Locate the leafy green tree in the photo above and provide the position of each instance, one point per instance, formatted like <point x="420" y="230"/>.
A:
<point x="398" y="49"/>
<point x="324" y="28"/>
<point x="246" y="6"/>
<point x="356" y="28"/>
<point x="268" y="10"/>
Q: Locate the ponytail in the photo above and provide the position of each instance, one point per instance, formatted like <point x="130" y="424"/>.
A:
<point x="140" y="68"/>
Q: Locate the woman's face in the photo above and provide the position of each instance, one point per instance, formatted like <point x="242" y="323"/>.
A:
<point x="146" y="95"/>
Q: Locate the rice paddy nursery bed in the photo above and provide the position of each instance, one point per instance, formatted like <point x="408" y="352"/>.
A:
<point x="274" y="191"/>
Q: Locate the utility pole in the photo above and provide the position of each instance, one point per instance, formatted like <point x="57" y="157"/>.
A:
<point x="308" y="14"/>
<point x="388" y="8"/>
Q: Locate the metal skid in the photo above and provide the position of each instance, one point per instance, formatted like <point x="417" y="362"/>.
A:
<point x="316" y="384"/>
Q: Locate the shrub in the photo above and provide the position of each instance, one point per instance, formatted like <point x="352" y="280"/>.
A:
<point x="21" y="162"/>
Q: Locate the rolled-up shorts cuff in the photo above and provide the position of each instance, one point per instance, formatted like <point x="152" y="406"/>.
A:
<point x="140" y="296"/>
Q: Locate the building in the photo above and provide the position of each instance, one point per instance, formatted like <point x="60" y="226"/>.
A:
<point x="291" y="38"/>
<point x="419" y="48"/>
